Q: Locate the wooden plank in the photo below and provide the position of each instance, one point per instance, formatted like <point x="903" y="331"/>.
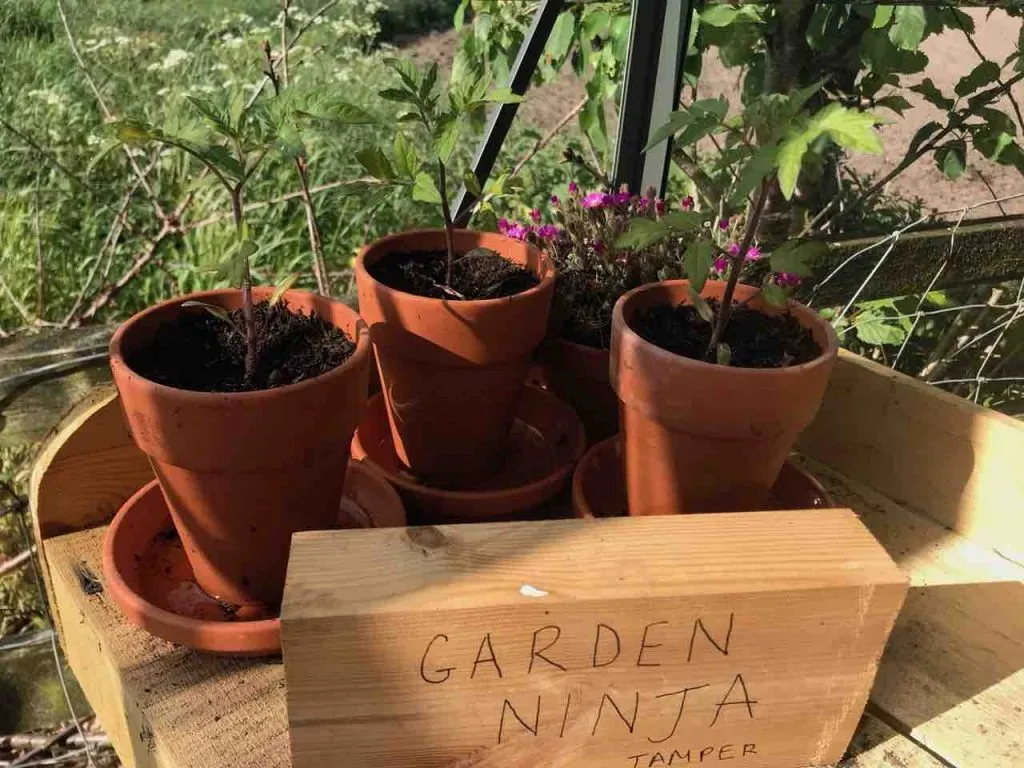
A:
<point x="953" y="674"/>
<point x="164" y="706"/>
<point x="29" y="407"/>
<point x="956" y="462"/>
<point x="989" y="250"/>
<point x="421" y="647"/>
<point x="876" y="745"/>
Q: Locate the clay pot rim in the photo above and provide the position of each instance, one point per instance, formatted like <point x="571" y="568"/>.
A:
<point x="830" y="351"/>
<point x="579" y="446"/>
<point x="384" y="245"/>
<point x="259" y="631"/>
<point x="362" y="350"/>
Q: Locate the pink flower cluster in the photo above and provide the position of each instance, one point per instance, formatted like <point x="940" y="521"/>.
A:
<point x="523" y="231"/>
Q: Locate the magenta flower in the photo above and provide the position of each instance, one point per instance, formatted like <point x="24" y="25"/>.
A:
<point x="723" y="224"/>
<point x="787" y="279"/>
<point x="573" y="188"/>
<point x="733" y="248"/>
<point x="686" y="203"/>
<point x="659" y="206"/>
<point x="518" y="231"/>
<point x="548" y="232"/>
<point x="622" y="198"/>
<point x="503" y="225"/>
<point x="721" y="264"/>
<point x="641" y="204"/>
<point x="598" y="246"/>
<point x="753" y="253"/>
<point x="597" y="200"/>
<point x="554" y="200"/>
<point x="535" y="215"/>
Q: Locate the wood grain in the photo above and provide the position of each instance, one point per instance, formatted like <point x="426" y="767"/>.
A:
<point x="954" y="461"/>
<point x="384" y="632"/>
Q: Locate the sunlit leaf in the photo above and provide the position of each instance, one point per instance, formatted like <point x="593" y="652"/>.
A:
<point x="878" y="330"/>
<point x="406" y="162"/>
<point x="472" y="183"/>
<point x="282" y="287"/>
<point x="215" y="115"/>
<point x="424" y="190"/>
<point x="952" y="159"/>
<point x="503" y="96"/>
<point x="219" y="312"/>
<point x="682" y="221"/>
<point x="908" y="27"/>
<point x="562" y="35"/>
<point x="883" y="15"/>
<point x="446" y="137"/>
<point x="675" y="122"/>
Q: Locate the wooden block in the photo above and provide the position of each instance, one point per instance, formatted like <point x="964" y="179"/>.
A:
<point x="925" y="448"/>
<point x="619" y="643"/>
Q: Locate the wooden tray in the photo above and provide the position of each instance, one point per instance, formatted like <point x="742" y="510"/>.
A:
<point x="939" y="482"/>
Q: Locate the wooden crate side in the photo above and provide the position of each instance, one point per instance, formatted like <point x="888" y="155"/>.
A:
<point x="954" y="461"/>
<point x="602" y="644"/>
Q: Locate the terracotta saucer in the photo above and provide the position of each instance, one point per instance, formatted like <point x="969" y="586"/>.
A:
<point x="546" y="441"/>
<point x="598" y="489"/>
<point x="151" y="581"/>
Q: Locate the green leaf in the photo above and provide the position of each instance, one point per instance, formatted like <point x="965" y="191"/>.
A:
<point x="983" y="74"/>
<point x="878" y="330"/>
<point x="924" y="133"/>
<point x="795" y="257"/>
<point x="849" y="128"/>
<point x="288" y="142"/>
<point x="219" y="312"/>
<point x="282" y="287"/>
<point x="406" y="70"/>
<point x="933" y="95"/>
<point x="400" y="96"/>
<point x="676" y="121"/>
<point x="681" y="221"/>
<point x="424" y="189"/>
<point x="724" y="15"/>
<point x="216" y="116"/>
<point x="503" y="96"/>
<point x="907" y="30"/>
<point x="472" y="184"/>
<point x="790" y="159"/>
<point x="774" y="294"/>
<point x="446" y="138"/>
<point x="753" y="173"/>
<point x="895" y="102"/>
<point x="993" y="144"/>
<point x="642" y="232"/>
<point x="460" y="14"/>
<point x="697" y="262"/>
<point x="376" y="163"/>
<point x="698" y="303"/>
<point x="341" y="113"/>
<point x="135" y="132"/>
<point x="429" y="81"/>
<point x="723" y="354"/>
<point x="883" y="15"/>
<point x="562" y="35"/>
<point x="217" y="156"/>
<point x="406" y="161"/>
<point x="952" y="159"/>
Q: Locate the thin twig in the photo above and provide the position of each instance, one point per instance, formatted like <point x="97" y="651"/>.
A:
<point x="40" y="270"/>
<point x="298" y="34"/>
<point x="14" y="563"/>
<point x="991" y="191"/>
<point x="546" y="139"/>
<point x="999" y="80"/>
<point x="108" y="116"/>
<point x="43" y="151"/>
<point x="302" y="169"/>
<point x="285" y="7"/>
<point x="991" y="350"/>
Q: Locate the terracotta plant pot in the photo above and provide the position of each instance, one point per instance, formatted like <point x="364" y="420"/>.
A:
<point x="241" y="472"/>
<point x="700" y="437"/>
<point x="578" y="374"/>
<point x="453" y="371"/>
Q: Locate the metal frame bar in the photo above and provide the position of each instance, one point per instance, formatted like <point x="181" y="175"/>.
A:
<point x="500" y="121"/>
<point x="651" y="90"/>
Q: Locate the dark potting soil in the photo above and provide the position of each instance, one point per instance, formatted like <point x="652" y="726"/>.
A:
<point x="203" y="353"/>
<point x="583" y="308"/>
<point x="478" y="274"/>
<point x="755" y="339"/>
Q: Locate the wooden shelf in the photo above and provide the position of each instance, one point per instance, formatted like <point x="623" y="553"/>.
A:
<point x="950" y="685"/>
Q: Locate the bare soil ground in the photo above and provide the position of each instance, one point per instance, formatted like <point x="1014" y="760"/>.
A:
<point x="950" y="58"/>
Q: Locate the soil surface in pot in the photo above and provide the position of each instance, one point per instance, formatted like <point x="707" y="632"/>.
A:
<point x="479" y="274"/>
<point x="756" y="340"/>
<point x="203" y="353"/>
<point x="584" y="308"/>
